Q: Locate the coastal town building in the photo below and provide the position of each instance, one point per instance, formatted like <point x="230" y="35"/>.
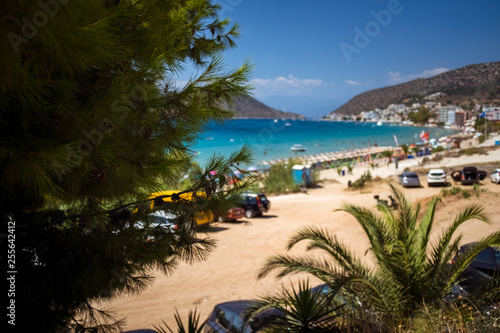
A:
<point x="450" y="115"/>
<point x="446" y="114"/>
<point x="461" y="117"/>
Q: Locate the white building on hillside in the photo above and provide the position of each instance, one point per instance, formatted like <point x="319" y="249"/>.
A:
<point x="446" y="114"/>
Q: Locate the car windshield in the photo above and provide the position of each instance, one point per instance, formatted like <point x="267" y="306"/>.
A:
<point x="436" y="174"/>
<point x="411" y="176"/>
<point x="252" y="200"/>
<point x="158" y="219"/>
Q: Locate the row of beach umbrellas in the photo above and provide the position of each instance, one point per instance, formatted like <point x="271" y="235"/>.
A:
<point x="325" y="157"/>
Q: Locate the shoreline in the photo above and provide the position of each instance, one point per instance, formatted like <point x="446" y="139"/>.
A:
<point x="447" y="162"/>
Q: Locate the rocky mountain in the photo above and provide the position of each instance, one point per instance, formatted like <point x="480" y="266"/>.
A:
<point x="466" y="86"/>
<point x="250" y="108"/>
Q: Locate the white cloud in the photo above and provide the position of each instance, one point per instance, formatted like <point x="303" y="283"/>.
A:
<point x="396" y="77"/>
<point x="286" y="86"/>
<point x="353" y="83"/>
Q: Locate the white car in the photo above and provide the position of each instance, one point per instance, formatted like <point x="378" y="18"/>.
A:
<point x="436" y="177"/>
<point x="159" y="223"/>
<point x="495" y="176"/>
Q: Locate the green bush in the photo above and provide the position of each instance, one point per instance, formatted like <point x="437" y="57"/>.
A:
<point x="466" y="194"/>
<point x="360" y="183"/>
<point x="470" y="151"/>
<point x="280" y="178"/>
<point x="438" y="149"/>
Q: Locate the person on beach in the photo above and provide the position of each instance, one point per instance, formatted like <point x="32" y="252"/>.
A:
<point x="303" y="188"/>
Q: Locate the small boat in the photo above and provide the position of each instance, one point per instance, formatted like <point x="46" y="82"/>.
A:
<point x="379" y="123"/>
<point x="297" y="147"/>
<point x="288" y="125"/>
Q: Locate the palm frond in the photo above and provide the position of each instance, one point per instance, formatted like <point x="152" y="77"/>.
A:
<point x="286" y="265"/>
<point x="321" y="239"/>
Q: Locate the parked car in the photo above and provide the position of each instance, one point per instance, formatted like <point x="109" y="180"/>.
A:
<point x="409" y="179"/>
<point x="471" y="281"/>
<point x="495" y="176"/>
<point x="253" y="204"/>
<point x="480" y="272"/>
<point x="158" y="224"/>
<point x="228" y="317"/>
<point x="488" y="260"/>
<point x="265" y="202"/>
<point x="436" y="177"/>
<point x="231" y="215"/>
<point x="469" y="176"/>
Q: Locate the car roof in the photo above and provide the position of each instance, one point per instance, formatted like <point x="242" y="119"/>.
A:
<point x="470" y="168"/>
<point x="409" y="173"/>
<point x="236" y="306"/>
<point x="241" y="306"/>
<point x="436" y="170"/>
<point x="164" y="214"/>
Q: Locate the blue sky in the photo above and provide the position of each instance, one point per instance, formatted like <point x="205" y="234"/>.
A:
<point x="310" y="57"/>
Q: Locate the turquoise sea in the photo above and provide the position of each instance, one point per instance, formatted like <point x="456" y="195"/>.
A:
<point x="272" y="139"/>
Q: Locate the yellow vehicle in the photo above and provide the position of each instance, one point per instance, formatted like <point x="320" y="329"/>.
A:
<point x="200" y="218"/>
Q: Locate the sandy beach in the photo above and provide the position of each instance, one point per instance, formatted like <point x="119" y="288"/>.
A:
<point x="230" y="273"/>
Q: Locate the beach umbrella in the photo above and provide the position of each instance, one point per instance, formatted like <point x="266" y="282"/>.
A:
<point x="252" y="169"/>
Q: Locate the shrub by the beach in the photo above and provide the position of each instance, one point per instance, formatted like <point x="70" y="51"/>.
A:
<point x="464" y="193"/>
<point x="470" y="151"/>
<point x="360" y="182"/>
<point x="280" y="180"/>
<point x="409" y="269"/>
<point x="438" y="149"/>
<point x="350" y="167"/>
<point x="437" y="158"/>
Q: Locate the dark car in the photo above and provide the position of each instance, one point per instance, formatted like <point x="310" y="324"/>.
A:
<point x="253" y="204"/>
<point x="409" y="179"/>
<point x="469" y="176"/>
<point x="487" y="261"/>
<point x="231" y="215"/>
<point x="265" y="202"/>
<point x="229" y="317"/>
<point x="482" y="174"/>
<point x="479" y="273"/>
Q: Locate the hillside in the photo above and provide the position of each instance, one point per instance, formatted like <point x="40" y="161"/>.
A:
<point x="466" y="86"/>
<point x="250" y="108"/>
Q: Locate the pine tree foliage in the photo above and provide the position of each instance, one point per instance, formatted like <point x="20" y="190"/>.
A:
<point x="92" y="121"/>
<point x="411" y="265"/>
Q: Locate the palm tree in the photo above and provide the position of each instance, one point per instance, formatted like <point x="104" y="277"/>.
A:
<point x="303" y="310"/>
<point x="415" y="150"/>
<point x="388" y="154"/>
<point x="406" y="149"/>
<point x="408" y="270"/>
<point x="193" y="324"/>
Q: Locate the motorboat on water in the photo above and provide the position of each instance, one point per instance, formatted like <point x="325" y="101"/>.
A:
<point x="288" y="124"/>
<point x="379" y="123"/>
<point x="297" y="147"/>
